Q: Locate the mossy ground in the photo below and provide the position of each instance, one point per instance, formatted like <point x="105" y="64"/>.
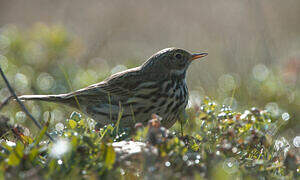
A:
<point x="216" y="143"/>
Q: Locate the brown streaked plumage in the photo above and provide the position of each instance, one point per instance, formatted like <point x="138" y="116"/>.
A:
<point x="157" y="86"/>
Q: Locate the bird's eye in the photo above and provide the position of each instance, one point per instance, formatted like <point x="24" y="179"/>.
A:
<point x="178" y="56"/>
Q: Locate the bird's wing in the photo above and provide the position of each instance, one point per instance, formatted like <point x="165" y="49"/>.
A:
<point x="118" y="86"/>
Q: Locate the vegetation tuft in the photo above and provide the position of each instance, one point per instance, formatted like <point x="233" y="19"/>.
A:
<point x="224" y="144"/>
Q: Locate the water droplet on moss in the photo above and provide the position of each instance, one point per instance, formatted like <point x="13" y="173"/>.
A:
<point x="285" y="116"/>
<point x="185" y="158"/>
<point x="59" y="127"/>
<point x="296" y="141"/>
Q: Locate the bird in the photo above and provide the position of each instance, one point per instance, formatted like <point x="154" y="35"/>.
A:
<point x="158" y="86"/>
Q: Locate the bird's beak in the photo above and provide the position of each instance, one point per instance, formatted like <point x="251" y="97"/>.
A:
<point x="198" y="55"/>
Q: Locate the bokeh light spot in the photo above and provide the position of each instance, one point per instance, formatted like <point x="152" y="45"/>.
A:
<point x="194" y="99"/>
<point x="21" y="82"/>
<point x="57" y="115"/>
<point x="3" y="62"/>
<point x="4" y="43"/>
<point x="36" y="111"/>
<point x="4" y="93"/>
<point x="45" y="81"/>
<point x="59" y="148"/>
<point x="118" y="68"/>
<point x="260" y="72"/>
<point x="227" y="82"/>
<point x="273" y="108"/>
<point x="20" y="117"/>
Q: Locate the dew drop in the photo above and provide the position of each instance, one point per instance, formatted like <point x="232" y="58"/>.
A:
<point x="285" y="116"/>
<point x="234" y="149"/>
<point x="167" y="164"/>
<point x="59" y="126"/>
<point x="189" y="163"/>
<point x="185" y="157"/>
<point x="296" y="141"/>
<point x="245" y="114"/>
<point x="282" y="144"/>
<point x="10" y="143"/>
<point x="122" y="171"/>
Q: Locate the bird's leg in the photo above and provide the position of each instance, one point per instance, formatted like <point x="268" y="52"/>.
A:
<point x="181" y="128"/>
<point x="182" y="119"/>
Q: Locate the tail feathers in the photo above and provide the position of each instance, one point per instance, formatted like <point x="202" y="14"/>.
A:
<point x="54" y="98"/>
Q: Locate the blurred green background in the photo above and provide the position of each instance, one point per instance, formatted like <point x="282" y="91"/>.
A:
<point x="51" y="46"/>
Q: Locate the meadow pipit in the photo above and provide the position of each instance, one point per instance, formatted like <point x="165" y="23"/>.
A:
<point x="158" y="86"/>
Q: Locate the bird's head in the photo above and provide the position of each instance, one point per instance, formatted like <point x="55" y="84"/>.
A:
<point x="171" y="61"/>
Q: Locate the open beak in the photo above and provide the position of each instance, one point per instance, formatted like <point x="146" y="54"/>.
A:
<point x="198" y="55"/>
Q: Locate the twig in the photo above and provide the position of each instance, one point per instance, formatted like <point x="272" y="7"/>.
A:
<point x="274" y="167"/>
<point x="21" y="104"/>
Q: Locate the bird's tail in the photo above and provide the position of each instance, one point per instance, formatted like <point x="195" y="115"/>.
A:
<point x="67" y="99"/>
<point x="62" y="98"/>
